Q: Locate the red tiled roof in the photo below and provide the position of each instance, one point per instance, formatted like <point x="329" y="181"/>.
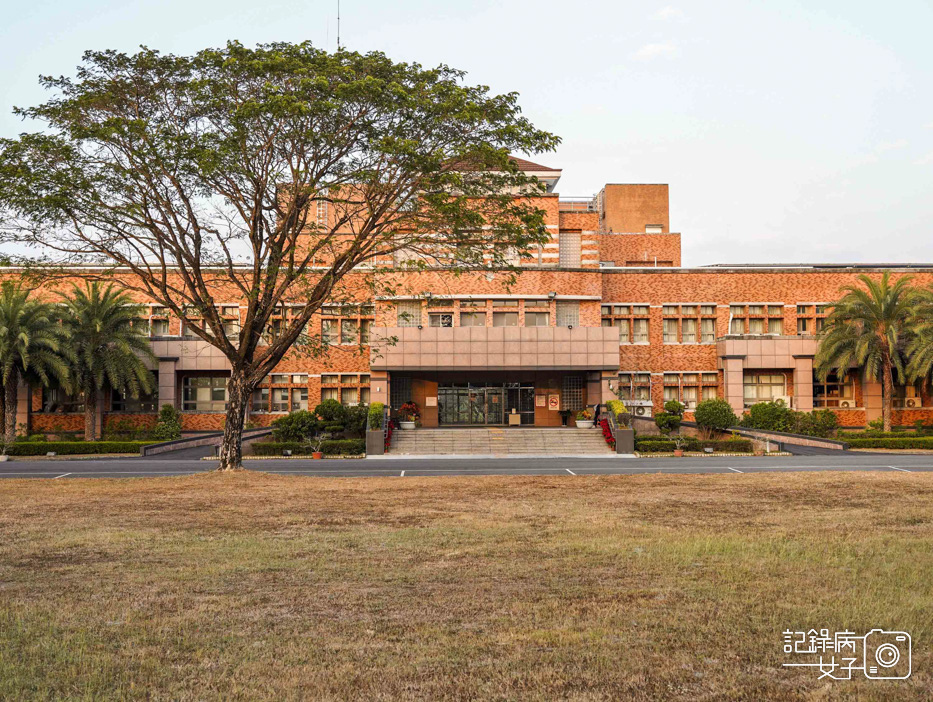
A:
<point x="526" y="165"/>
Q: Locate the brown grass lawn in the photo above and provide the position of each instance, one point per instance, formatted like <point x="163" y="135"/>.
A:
<point x="649" y="587"/>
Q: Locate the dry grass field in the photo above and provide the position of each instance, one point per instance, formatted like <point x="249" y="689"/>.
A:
<point x="253" y="586"/>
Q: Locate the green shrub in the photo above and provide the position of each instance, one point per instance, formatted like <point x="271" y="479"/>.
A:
<point x="296" y="427"/>
<point x="917" y="442"/>
<point x="376" y="410"/>
<point x="70" y="448"/>
<point x="333" y="428"/>
<point x="675" y="407"/>
<point x="692" y="444"/>
<point x="715" y="414"/>
<point x="822" y="423"/>
<point x="168" y="428"/>
<point x="617" y="407"/>
<point x="769" y="416"/>
<point x="335" y="447"/>
<point x="331" y="412"/>
<point x="32" y="438"/>
<point x="355" y="423"/>
<point x="667" y="422"/>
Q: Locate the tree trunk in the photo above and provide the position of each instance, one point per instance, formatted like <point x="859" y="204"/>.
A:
<point x="9" y="407"/>
<point x="231" y="447"/>
<point x="90" y="415"/>
<point x="3" y="409"/>
<point x="887" y="394"/>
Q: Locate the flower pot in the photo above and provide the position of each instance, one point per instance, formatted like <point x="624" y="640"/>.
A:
<point x="678" y="452"/>
<point x="317" y="454"/>
<point x="4" y="458"/>
<point x="584" y="423"/>
<point x="759" y="453"/>
<point x="406" y="425"/>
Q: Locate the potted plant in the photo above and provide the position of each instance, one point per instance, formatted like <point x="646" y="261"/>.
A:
<point x="318" y="442"/>
<point x="585" y="418"/>
<point x="679" y="443"/>
<point x="408" y="414"/>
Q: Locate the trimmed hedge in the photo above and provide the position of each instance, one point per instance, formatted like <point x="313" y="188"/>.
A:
<point x="666" y="446"/>
<point x="71" y="448"/>
<point x="336" y="447"/>
<point x="923" y="442"/>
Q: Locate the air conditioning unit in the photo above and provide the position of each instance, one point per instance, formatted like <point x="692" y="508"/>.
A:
<point x="845" y="403"/>
<point x="911" y="402"/>
<point x="786" y="399"/>
<point x="640" y="408"/>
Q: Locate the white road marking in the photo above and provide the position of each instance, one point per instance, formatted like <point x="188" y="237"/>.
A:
<point x="402" y="475"/>
<point x="60" y="476"/>
<point x="735" y="470"/>
<point x="569" y="471"/>
<point x="900" y="469"/>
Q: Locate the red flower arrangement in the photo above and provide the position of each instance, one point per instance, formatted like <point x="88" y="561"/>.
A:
<point x="607" y="433"/>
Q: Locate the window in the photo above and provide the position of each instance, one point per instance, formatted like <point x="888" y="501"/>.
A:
<point x="505" y="303"/>
<point x="329" y="331"/>
<point x="300" y="379"/>
<point x="204" y="394"/>
<point x="804" y="310"/>
<point x="670" y="331"/>
<point x="409" y="314"/>
<point x="230" y="311"/>
<point x="640" y="310"/>
<point x="568" y="313"/>
<point x="775" y="326"/>
<point x="536" y="304"/>
<point x="348" y="380"/>
<point x="349" y="396"/>
<point x="440" y="302"/>
<point x="278" y="378"/>
<point x="763" y="387"/>
<point x="756" y="309"/>
<point x="804" y="325"/>
<point x="689" y="331"/>
<point x="707" y="331"/>
<point x="158" y="327"/>
<point x="328" y="394"/>
<point x="572" y="398"/>
<point x="349" y="332"/>
<point x="364" y="396"/>
<point x="505" y="319"/>
<point x="710" y="392"/>
<point x="441" y="320"/>
<point x="640" y="331"/>
<point x="537" y="319"/>
<point x="399" y="391"/>
<point x="328" y="380"/>
<point x="624" y="326"/>
<point x="568" y="249"/>
<point x="187" y="332"/>
<point x="364" y="379"/>
<point x="472" y="319"/>
<point x="299" y="399"/>
<point x="834" y="392"/>
<point x="907" y="396"/>
<point x="669" y="310"/>
<point x="688" y="310"/>
<point x="708" y="310"/>
<point x="473" y="304"/>
<point x="126" y="403"/>
<point x="260" y="401"/>
<point x="365" y="329"/>
<point x="737" y="326"/>
<point x="232" y="329"/>
<point x="280" y="399"/>
<point x="756" y="326"/>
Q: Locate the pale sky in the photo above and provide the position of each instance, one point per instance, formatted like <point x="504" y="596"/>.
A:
<point x="788" y="131"/>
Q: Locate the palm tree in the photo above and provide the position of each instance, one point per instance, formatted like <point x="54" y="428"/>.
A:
<point x="108" y="348"/>
<point x="32" y="347"/>
<point x="869" y="328"/>
<point x="920" y="350"/>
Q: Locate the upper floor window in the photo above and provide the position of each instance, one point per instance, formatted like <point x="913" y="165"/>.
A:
<point x="408" y="313"/>
<point x="537" y="319"/>
<point x="568" y="313"/>
<point x="445" y="319"/>
<point x="472" y="319"/>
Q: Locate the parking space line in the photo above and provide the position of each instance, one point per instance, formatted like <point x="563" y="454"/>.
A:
<point x="60" y="476"/>
<point x="569" y="471"/>
<point x="904" y="470"/>
<point x="735" y="470"/>
<point x="402" y="474"/>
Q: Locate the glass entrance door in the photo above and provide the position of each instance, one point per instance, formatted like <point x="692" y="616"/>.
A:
<point x="479" y="404"/>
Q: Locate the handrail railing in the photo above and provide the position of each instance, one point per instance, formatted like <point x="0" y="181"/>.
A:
<point x="385" y="424"/>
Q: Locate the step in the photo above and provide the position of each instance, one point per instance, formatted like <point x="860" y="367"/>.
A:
<point x="499" y="441"/>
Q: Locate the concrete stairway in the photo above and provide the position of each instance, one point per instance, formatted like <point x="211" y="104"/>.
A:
<point x="499" y="441"/>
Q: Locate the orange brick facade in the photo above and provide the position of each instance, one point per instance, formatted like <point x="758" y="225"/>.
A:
<point x="611" y="261"/>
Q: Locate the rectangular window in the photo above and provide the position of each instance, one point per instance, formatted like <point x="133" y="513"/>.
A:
<point x="572" y="395"/>
<point x="328" y="394"/>
<point x="775" y="311"/>
<point x="710" y="378"/>
<point x="537" y="319"/>
<point x="834" y="392"/>
<point x="756" y="309"/>
<point x="329" y="331"/>
<point x="328" y="380"/>
<point x="640" y="310"/>
<point x="707" y="331"/>
<point x="640" y="331"/>
<point x="158" y="327"/>
<point x="641" y="386"/>
<point x="710" y="392"/>
<point x="505" y="303"/>
<point x="568" y="313"/>
<point x="568" y="249"/>
<point x="348" y="380"/>
<point x="349" y="332"/>
<point x="441" y="320"/>
<point x="689" y="396"/>
<point x="803" y="309"/>
<point x="278" y="378"/>
<point x="126" y="403"/>
<point x="763" y="387"/>
<point x="299" y="399"/>
<point x="688" y="310"/>
<point x="670" y="331"/>
<point x="300" y="378"/>
<point x="364" y="396"/>
<point x="204" y="394"/>
<point x="670" y="310"/>
<point x="473" y="304"/>
<point x="756" y="326"/>
<point x="775" y="326"/>
<point x="543" y="304"/>
<point x="621" y="309"/>
<point x="689" y="330"/>
<point x="280" y="399"/>
<point x="505" y="319"/>
<point x="472" y="319"/>
<point x="366" y="326"/>
<point x="409" y="314"/>
<point x="625" y="335"/>
<point x="708" y="309"/>
<point x="737" y="326"/>
<point x="804" y="326"/>
<point x="736" y="310"/>
<point x="364" y="379"/>
<point x="260" y="401"/>
<point x="349" y="396"/>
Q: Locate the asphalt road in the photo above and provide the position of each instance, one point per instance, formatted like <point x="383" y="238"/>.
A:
<point x="416" y="467"/>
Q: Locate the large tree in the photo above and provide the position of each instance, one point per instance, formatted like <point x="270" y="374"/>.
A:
<point x="108" y="346"/>
<point x="203" y="179"/>
<point x="33" y="347"/>
<point x="869" y="329"/>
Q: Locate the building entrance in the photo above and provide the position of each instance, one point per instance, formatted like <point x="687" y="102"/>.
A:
<point x="480" y="404"/>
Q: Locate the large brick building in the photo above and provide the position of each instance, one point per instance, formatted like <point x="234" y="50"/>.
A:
<point x="604" y="307"/>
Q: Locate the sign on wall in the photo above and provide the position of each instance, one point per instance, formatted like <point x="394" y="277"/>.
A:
<point x="540" y="400"/>
<point x="553" y="403"/>
<point x="430" y="402"/>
